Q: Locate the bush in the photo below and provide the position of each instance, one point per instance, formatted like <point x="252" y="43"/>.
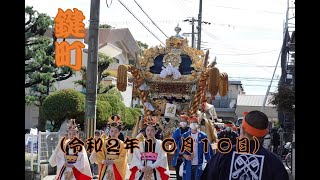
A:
<point x="64" y="104"/>
<point x="129" y="117"/>
<point x="114" y="101"/>
<point x="104" y="111"/>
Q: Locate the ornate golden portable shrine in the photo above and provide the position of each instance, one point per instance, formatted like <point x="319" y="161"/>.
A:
<point x="176" y="75"/>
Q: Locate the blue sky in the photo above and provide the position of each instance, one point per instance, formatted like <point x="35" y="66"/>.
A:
<point x="245" y="36"/>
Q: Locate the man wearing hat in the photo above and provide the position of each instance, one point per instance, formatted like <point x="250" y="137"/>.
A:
<point x="193" y="162"/>
<point x="177" y="134"/>
<point x="228" y="132"/>
<point x="257" y="163"/>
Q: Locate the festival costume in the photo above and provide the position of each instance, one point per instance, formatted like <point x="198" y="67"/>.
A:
<point x="156" y="158"/>
<point x="177" y="156"/>
<point x="187" y="169"/>
<point x="81" y="169"/>
<point x="116" y="171"/>
<point x="259" y="163"/>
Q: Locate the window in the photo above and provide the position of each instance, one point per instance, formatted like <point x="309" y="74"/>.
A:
<point x="116" y="60"/>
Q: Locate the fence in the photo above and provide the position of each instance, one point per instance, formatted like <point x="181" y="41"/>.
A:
<point x="39" y="148"/>
<point x="31" y="152"/>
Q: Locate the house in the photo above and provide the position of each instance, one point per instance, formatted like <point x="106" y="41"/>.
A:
<point x="117" y="43"/>
<point x="247" y="103"/>
<point x="226" y="105"/>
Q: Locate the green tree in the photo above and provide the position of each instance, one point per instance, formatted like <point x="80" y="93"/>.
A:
<point x="131" y="114"/>
<point x="103" y="64"/>
<point x="115" y="92"/>
<point x="115" y="102"/>
<point x="143" y="46"/>
<point x="112" y="104"/>
<point x="104" y="26"/>
<point x="104" y="111"/>
<point x="69" y="103"/>
<point x="284" y="98"/>
<point x="40" y="69"/>
<point x="62" y="105"/>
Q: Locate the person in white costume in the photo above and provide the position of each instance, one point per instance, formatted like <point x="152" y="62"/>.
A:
<point x="149" y="161"/>
<point x="71" y="165"/>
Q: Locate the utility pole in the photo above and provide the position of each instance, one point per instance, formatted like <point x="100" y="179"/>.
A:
<point x="192" y="20"/>
<point x="92" y="69"/>
<point x="199" y="25"/>
<point x="284" y="36"/>
<point x="192" y="30"/>
<point x="192" y="35"/>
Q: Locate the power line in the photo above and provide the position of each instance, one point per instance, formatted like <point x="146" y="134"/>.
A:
<point x="147" y="21"/>
<point x="237" y="77"/>
<point x="150" y="18"/>
<point x="186" y="10"/>
<point x="109" y="5"/>
<point x="286" y="26"/>
<point x="248" y="61"/>
<point x="247" y="77"/>
<point x="225" y="46"/>
<point x="140" y="22"/>
<point x="210" y="34"/>
<point x="258" y="80"/>
<point x="235" y="8"/>
<point x="247" y="54"/>
<point x="247" y="65"/>
<point x="221" y="43"/>
<point x="257" y="85"/>
<point x="216" y="24"/>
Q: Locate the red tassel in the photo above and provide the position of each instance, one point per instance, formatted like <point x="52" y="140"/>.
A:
<point x="163" y="175"/>
<point x="133" y="172"/>
<point x="116" y="173"/>
<point x="80" y="176"/>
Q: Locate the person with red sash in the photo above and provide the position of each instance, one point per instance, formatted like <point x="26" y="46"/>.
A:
<point x="149" y="161"/>
<point x="112" y="159"/>
<point x="71" y="164"/>
<point x="248" y="159"/>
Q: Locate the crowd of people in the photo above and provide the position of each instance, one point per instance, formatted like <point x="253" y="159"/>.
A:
<point x="193" y="157"/>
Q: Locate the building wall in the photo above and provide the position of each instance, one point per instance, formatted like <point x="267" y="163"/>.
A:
<point x="31" y="116"/>
<point x="32" y="112"/>
<point x="127" y="95"/>
<point x="69" y="83"/>
<point x="226" y="105"/>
